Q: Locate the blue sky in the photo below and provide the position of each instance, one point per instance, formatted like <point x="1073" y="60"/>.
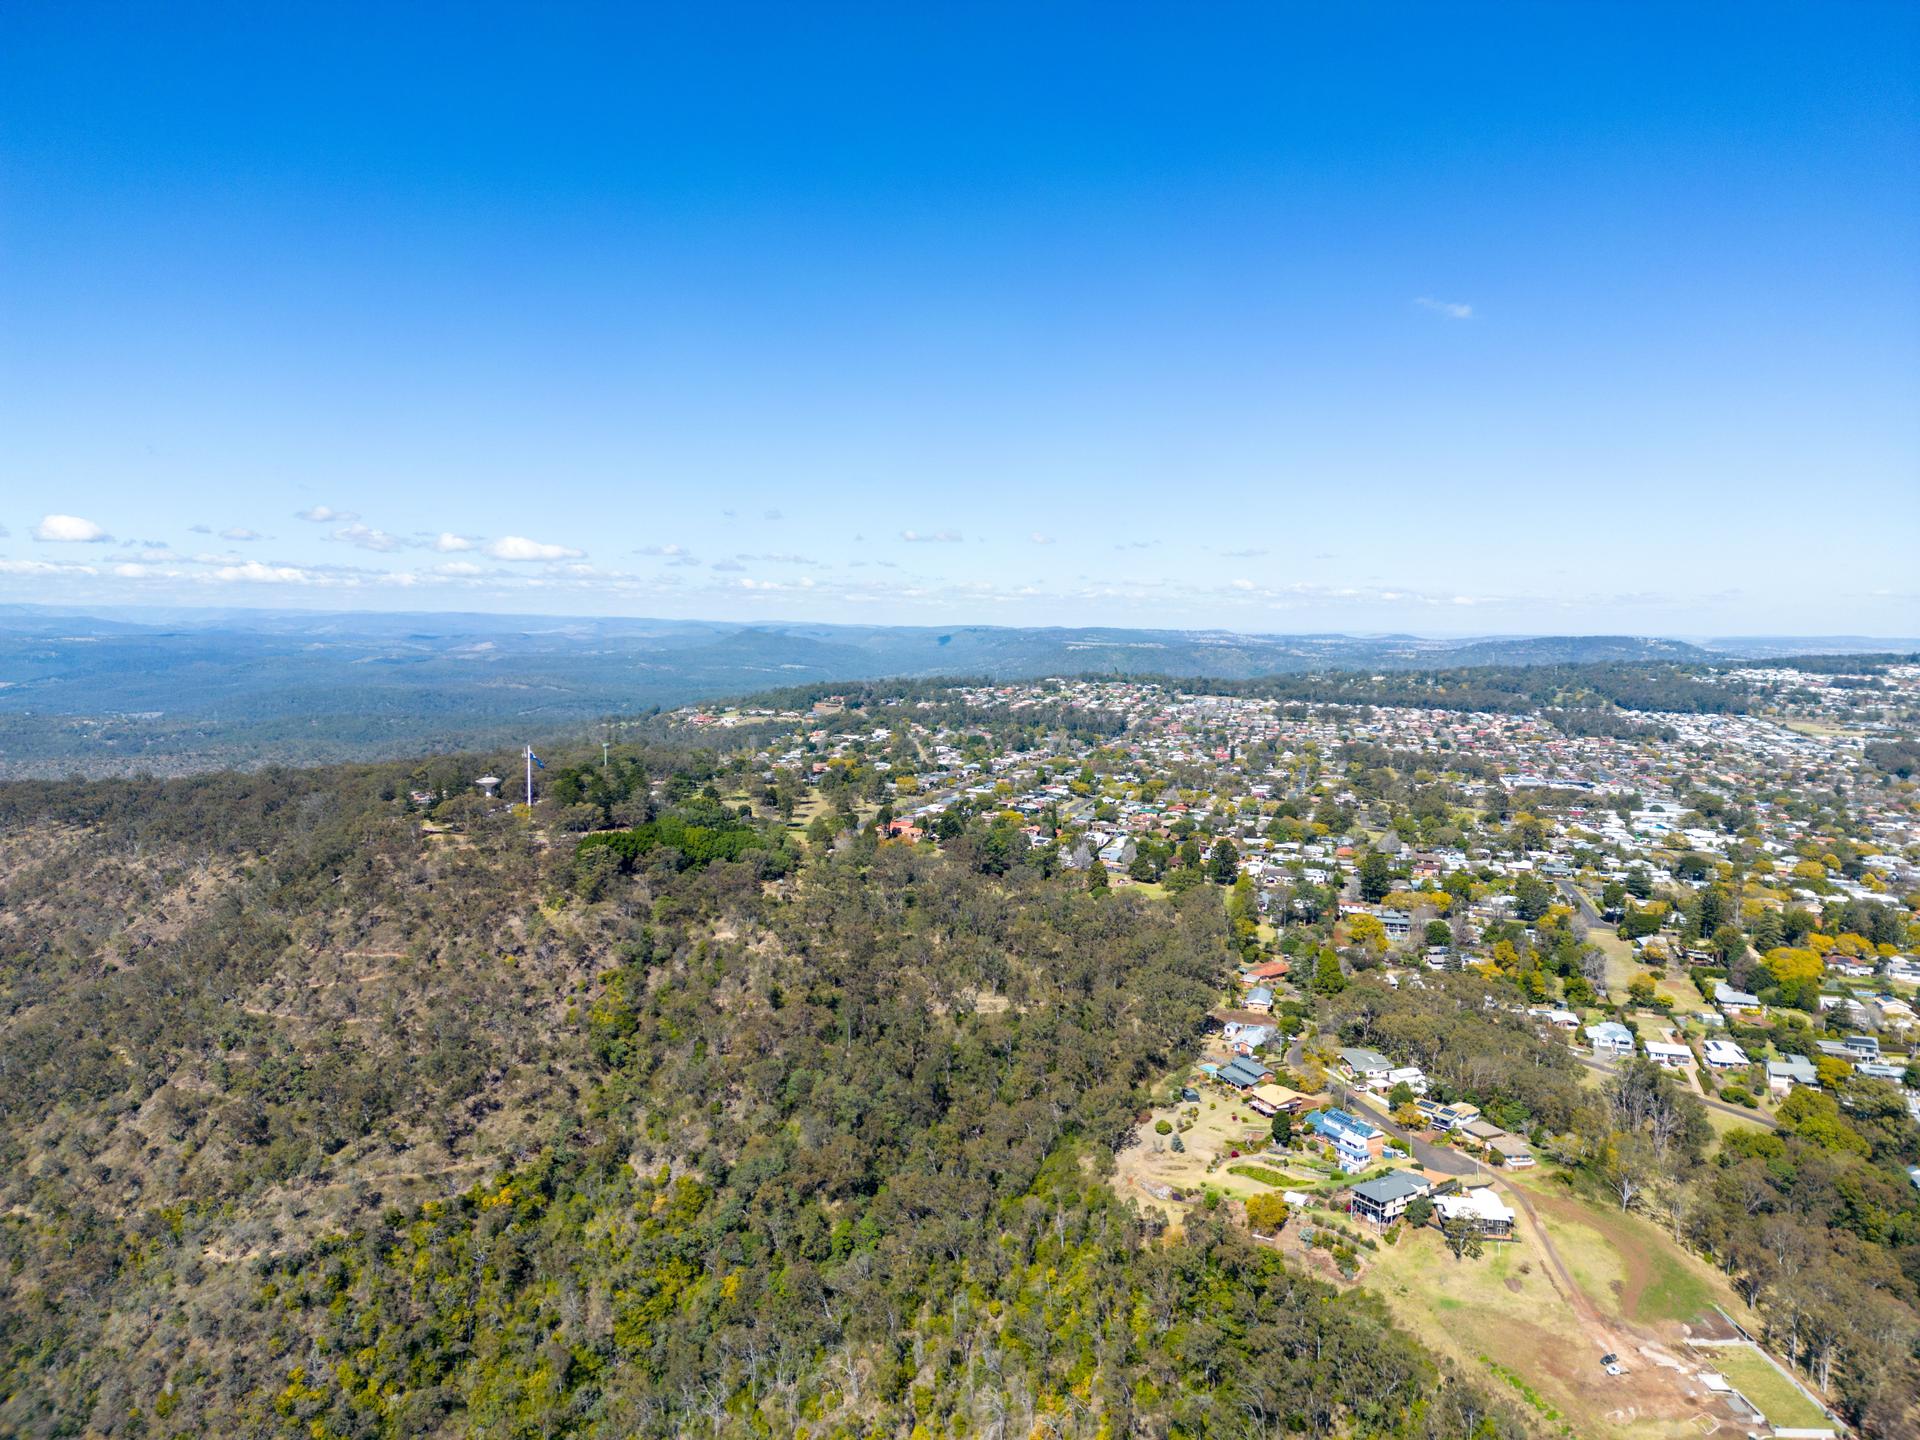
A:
<point x="1451" y="319"/>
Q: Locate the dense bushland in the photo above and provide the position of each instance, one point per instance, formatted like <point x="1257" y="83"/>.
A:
<point x="318" y="1121"/>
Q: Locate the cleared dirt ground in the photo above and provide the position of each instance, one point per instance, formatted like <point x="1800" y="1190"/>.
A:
<point x="1150" y="1169"/>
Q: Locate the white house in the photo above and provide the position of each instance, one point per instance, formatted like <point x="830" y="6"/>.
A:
<point x="1668" y="1055"/>
<point x="1408" y="1075"/>
<point x="1480" y="1209"/>
<point x="1724" y="1054"/>
<point x="1791" y="1070"/>
<point x="1369" y="1067"/>
<point x="1610" y="1040"/>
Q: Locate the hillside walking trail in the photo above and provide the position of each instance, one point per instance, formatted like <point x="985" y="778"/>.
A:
<point x="1558" y="1275"/>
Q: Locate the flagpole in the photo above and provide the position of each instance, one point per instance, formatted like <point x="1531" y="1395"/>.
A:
<point x="529" y="776"/>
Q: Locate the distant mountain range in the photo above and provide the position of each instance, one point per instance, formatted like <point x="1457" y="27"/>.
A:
<point x="114" y="691"/>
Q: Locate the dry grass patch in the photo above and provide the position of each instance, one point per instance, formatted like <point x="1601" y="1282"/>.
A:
<point x="1630" y="1268"/>
<point x="1150" y="1166"/>
<point x="1504" y="1308"/>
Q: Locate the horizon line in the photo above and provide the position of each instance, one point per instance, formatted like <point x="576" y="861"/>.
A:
<point x="110" y="609"/>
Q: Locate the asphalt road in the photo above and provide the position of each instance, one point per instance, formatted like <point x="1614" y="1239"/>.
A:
<point x="1581" y="904"/>
<point x="1431" y="1157"/>
<point x="1297" y="1053"/>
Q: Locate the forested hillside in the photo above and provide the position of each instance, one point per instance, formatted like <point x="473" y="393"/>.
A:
<point x="322" y="1117"/>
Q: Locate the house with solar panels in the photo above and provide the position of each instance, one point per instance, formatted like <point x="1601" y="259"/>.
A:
<point x="1356" y="1143"/>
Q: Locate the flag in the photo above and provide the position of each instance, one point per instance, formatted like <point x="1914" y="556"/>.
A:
<point x="536" y="760"/>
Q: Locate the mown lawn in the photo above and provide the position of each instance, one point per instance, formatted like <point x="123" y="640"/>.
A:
<point x="1776" y="1397"/>
<point x="1675" y="1288"/>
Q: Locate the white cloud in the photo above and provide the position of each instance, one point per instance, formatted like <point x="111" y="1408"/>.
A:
<point x="1452" y="309"/>
<point x="449" y="543"/>
<point x="326" y="515"/>
<point x="39" y="567"/>
<point x="518" y="547"/>
<point x="366" y="537"/>
<point x="780" y="557"/>
<point x="240" y="532"/>
<point x="458" y="568"/>
<point x="70" y="530"/>
<point x="936" y="537"/>
<point x="1040" y="539"/>
<point x="199" y="529"/>
<point x="668" y="550"/>
<point x="253" y="572"/>
<point x="733" y="565"/>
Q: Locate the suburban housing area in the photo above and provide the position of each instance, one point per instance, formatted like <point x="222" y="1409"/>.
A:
<point x="1600" y="1004"/>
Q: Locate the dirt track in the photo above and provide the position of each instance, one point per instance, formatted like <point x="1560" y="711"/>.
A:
<point x="1558" y="1275"/>
<point x="1659" y="1384"/>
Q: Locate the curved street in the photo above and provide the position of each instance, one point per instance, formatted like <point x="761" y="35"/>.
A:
<point x="1430" y="1156"/>
<point x="1582" y="906"/>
